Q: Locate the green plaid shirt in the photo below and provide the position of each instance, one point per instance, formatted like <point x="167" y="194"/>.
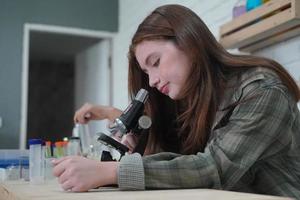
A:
<point x="253" y="147"/>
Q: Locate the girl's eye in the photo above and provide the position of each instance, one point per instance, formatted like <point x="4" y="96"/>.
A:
<point x="156" y="62"/>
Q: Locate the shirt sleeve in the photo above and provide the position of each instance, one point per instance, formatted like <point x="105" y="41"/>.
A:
<point x="255" y="131"/>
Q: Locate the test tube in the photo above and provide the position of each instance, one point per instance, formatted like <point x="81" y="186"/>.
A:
<point x="48" y="153"/>
<point x="59" y="151"/>
<point x="85" y="138"/>
<point x="48" y="163"/>
<point x="65" y="147"/>
<point x="74" y="147"/>
<point x="36" y="161"/>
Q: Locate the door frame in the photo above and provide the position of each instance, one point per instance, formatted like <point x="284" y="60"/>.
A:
<point x="28" y="27"/>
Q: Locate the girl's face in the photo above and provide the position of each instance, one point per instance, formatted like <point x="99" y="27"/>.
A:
<point x="166" y="65"/>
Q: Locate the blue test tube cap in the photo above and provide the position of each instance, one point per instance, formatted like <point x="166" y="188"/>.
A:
<point x="35" y="141"/>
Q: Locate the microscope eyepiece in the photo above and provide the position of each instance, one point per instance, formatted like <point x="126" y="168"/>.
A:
<point x="142" y="95"/>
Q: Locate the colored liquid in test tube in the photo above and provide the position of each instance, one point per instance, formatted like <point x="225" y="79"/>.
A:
<point x="48" y="153"/>
<point x="59" y="150"/>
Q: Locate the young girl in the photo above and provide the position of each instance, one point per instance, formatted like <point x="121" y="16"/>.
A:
<point x="220" y="121"/>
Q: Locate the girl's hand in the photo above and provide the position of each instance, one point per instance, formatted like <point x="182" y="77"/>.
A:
<point x="95" y="112"/>
<point x="79" y="174"/>
<point x="130" y="140"/>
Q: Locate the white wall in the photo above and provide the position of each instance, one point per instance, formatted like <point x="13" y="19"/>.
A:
<point x="213" y="12"/>
<point x="286" y="53"/>
<point x="92" y="79"/>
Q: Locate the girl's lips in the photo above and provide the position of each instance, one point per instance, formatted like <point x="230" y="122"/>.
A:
<point x="164" y="89"/>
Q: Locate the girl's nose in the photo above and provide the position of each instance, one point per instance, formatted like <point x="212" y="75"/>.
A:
<point x="153" y="80"/>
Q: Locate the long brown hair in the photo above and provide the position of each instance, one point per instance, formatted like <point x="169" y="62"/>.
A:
<point x="184" y="127"/>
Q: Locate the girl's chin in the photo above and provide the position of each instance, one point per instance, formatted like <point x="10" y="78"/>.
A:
<point x="174" y="97"/>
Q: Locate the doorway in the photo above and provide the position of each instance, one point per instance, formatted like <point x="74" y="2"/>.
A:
<point x="62" y="69"/>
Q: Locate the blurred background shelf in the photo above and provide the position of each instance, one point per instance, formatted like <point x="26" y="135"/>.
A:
<point x="274" y="21"/>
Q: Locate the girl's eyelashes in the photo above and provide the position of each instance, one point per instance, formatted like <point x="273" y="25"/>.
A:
<point x="156" y="62"/>
<point x="145" y="71"/>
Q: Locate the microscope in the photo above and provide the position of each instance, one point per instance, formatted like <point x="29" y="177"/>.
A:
<point x="131" y="120"/>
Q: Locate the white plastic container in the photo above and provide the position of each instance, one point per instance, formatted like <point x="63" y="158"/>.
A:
<point x="36" y="161"/>
<point x="14" y="164"/>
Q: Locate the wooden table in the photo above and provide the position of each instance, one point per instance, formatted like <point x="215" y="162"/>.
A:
<point x="21" y="190"/>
